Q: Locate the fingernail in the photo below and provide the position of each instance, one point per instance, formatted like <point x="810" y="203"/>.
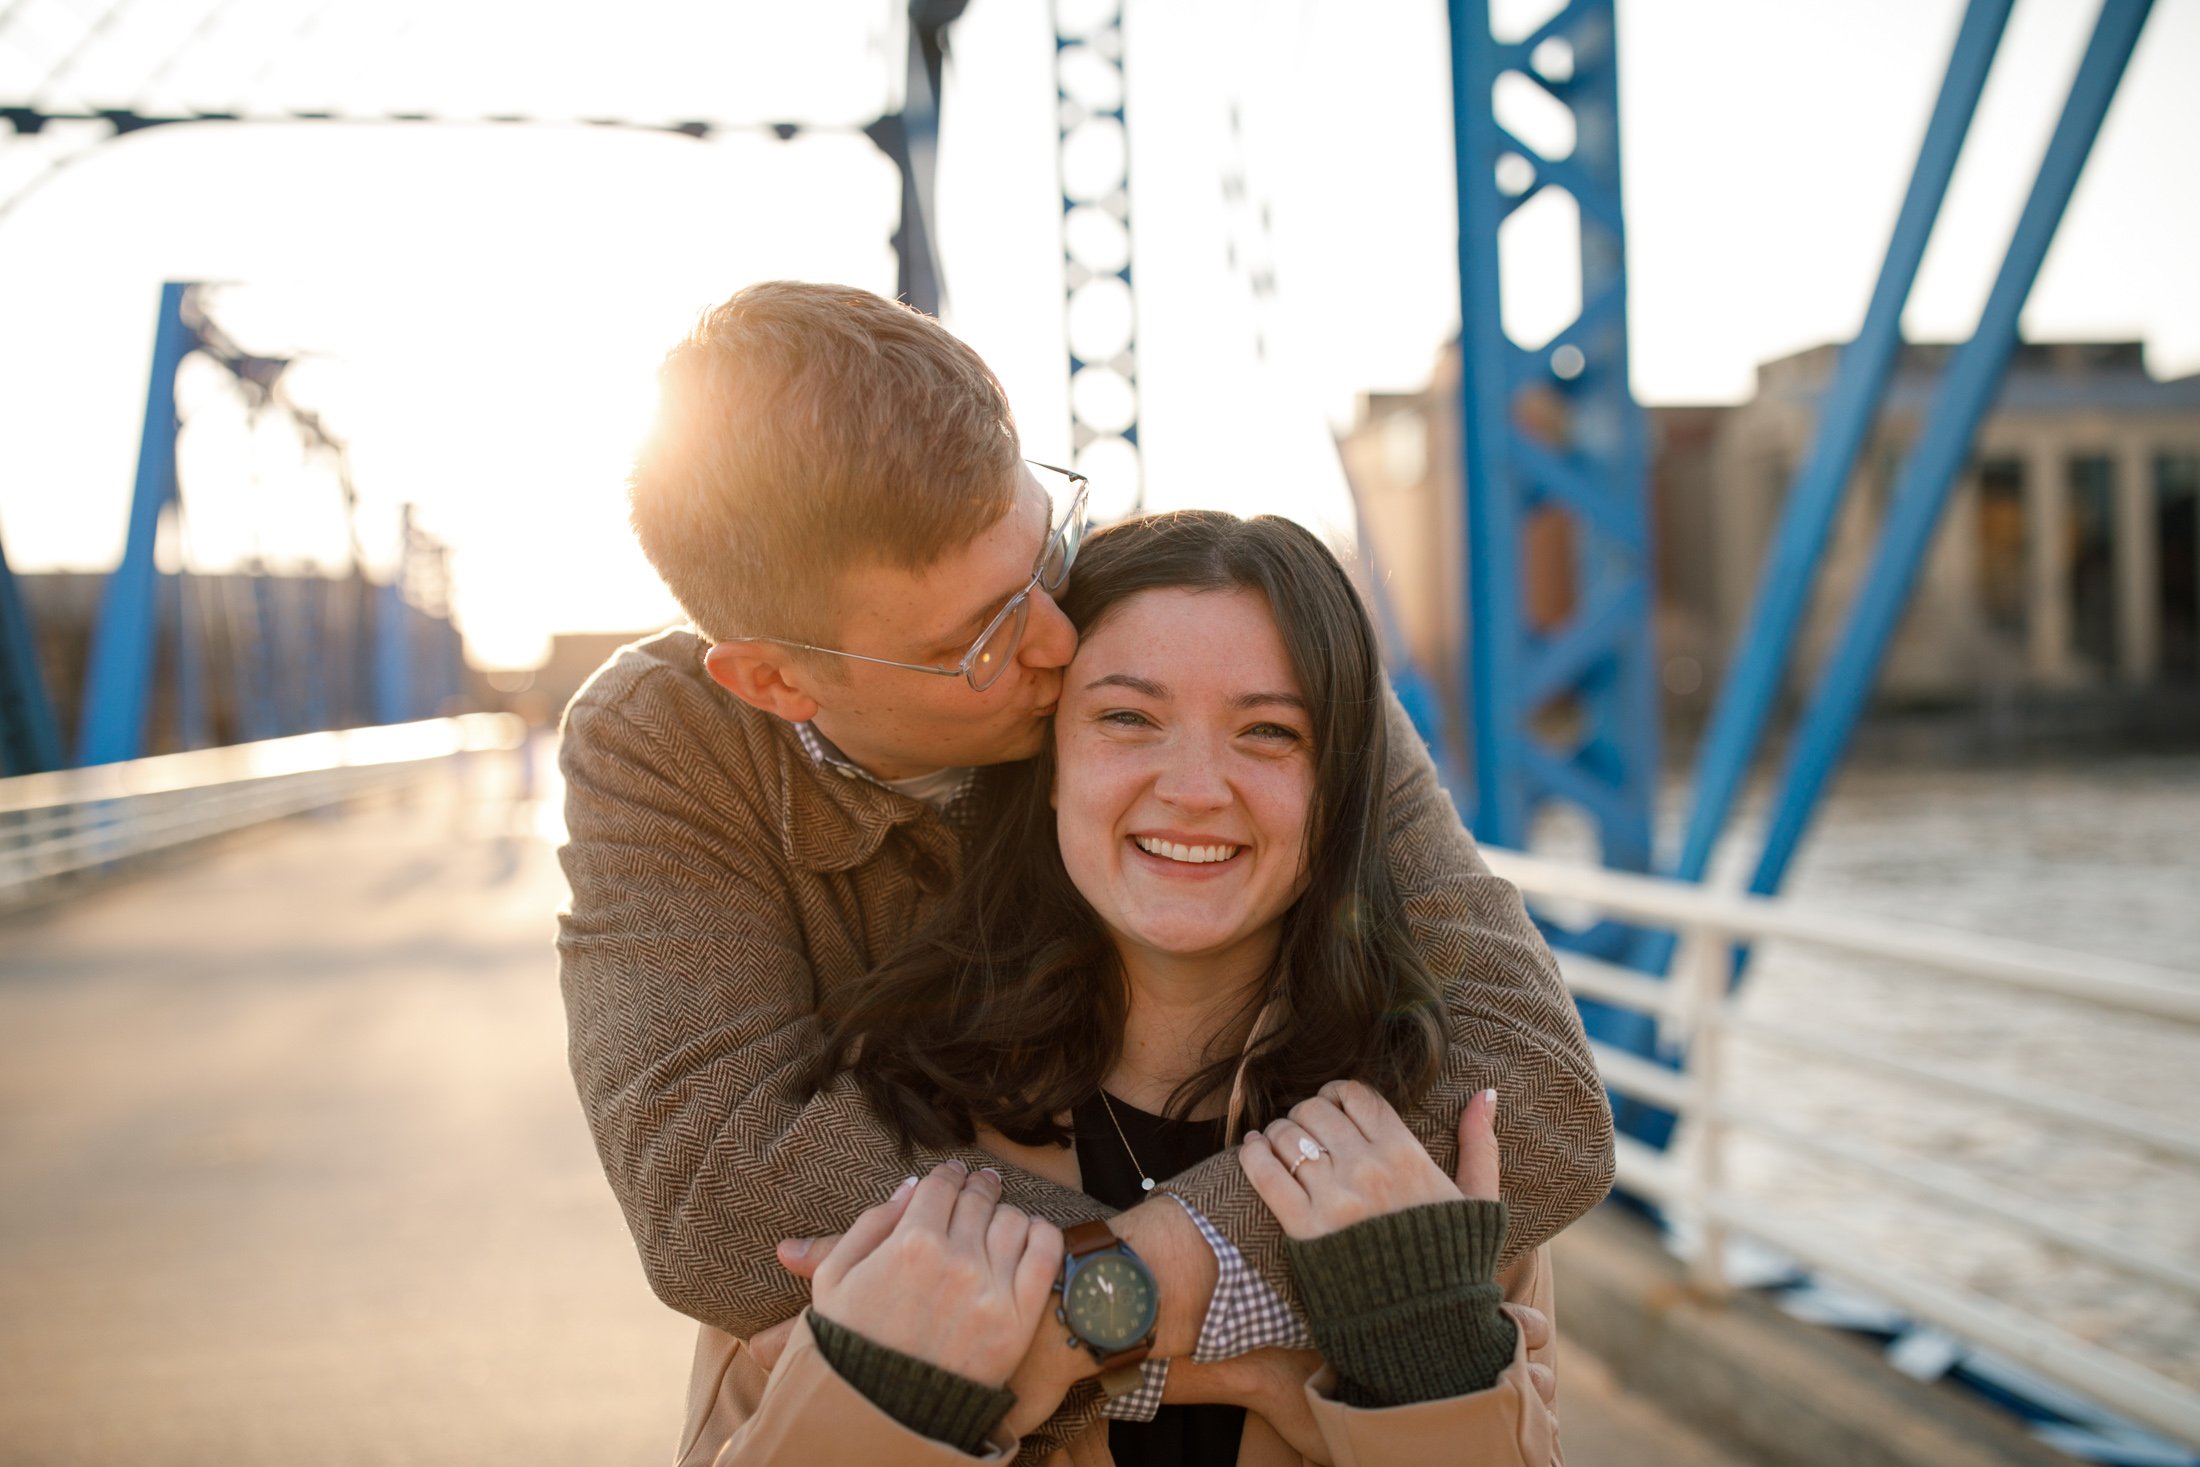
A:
<point x="795" y="1248"/>
<point x="1491" y="1097"/>
<point x="903" y="1189"/>
<point x="958" y="1166"/>
<point x="986" y="1171"/>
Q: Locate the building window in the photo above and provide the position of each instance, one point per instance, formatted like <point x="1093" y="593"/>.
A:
<point x="2091" y="558"/>
<point x="2001" y="545"/>
<point x="2177" y="531"/>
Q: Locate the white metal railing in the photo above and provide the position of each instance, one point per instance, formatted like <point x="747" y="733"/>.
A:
<point x="76" y="820"/>
<point x="1697" y="1009"/>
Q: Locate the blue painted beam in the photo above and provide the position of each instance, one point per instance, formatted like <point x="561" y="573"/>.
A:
<point x="1494" y="593"/>
<point x="1587" y="459"/>
<point x="30" y="742"/>
<point x="1973" y="378"/>
<point x="1565" y="714"/>
<point x="118" y="681"/>
<point x="910" y="138"/>
<point x="1754" y="677"/>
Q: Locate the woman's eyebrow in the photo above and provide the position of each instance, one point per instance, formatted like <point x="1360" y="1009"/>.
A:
<point x="1128" y="680"/>
<point x="1269" y="700"/>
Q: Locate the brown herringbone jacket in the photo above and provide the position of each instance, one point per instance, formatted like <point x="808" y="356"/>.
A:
<point x="722" y="882"/>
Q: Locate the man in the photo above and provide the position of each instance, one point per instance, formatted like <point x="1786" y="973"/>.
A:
<point x="759" y="813"/>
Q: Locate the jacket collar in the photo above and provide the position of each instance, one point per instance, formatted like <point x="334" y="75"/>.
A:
<point x="833" y="817"/>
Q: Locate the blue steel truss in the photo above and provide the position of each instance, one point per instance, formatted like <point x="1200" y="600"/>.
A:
<point x="1562" y="713"/>
<point x="283" y="653"/>
<point x="1921" y="492"/>
<point x="30" y="743"/>
<point x="1754" y="677"/>
<point x="118" y="682"/>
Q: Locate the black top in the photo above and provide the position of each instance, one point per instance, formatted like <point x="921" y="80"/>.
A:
<point x="1178" y="1436"/>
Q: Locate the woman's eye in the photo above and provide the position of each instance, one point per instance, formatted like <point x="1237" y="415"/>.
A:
<point x="1275" y="732"/>
<point x="1126" y="718"/>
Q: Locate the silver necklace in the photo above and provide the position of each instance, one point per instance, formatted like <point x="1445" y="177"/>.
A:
<point x="1145" y="1183"/>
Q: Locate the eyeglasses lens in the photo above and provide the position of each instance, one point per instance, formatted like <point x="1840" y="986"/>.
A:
<point x="1062" y="551"/>
<point x="993" y="658"/>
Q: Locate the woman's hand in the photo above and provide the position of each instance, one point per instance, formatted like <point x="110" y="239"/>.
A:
<point x="945" y="1272"/>
<point x="1365" y="1162"/>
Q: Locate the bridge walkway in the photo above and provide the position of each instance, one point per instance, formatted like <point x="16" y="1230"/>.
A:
<point x="291" y="1169"/>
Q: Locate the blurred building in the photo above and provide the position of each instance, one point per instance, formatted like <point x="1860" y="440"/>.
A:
<point x="539" y="694"/>
<point x="2061" y="596"/>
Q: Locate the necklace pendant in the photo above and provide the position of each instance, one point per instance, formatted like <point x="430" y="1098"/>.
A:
<point x="1145" y="1184"/>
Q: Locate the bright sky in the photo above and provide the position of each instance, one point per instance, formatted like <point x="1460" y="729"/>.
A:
<point x="487" y="305"/>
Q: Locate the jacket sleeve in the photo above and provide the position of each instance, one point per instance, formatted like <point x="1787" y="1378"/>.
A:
<point x="1507" y="1425"/>
<point x="1508" y="1023"/>
<point x="690" y="1004"/>
<point x="805" y="1413"/>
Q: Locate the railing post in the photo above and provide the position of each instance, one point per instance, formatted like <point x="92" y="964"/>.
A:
<point x="1705" y="974"/>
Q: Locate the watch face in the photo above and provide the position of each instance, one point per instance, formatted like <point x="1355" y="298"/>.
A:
<point x="1110" y="1302"/>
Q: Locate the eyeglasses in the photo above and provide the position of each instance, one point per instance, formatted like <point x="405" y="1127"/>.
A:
<point x="995" y="648"/>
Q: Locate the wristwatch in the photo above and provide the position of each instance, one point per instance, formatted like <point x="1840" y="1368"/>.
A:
<point x="1109" y="1301"/>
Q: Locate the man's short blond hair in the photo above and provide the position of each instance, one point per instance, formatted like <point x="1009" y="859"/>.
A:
<point x="804" y="428"/>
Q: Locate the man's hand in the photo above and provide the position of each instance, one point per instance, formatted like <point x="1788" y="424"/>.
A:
<point x="1052" y="1362"/>
<point x="943" y="1272"/>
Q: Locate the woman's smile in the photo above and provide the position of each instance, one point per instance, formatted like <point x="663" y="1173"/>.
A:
<point x="1187" y="850"/>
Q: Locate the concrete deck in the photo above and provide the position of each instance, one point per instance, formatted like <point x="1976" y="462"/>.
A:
<point x="291" y="1170"/>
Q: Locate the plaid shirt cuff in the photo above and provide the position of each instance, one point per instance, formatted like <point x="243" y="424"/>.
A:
<point x="1245" y="1314"/>
<point x="1139" y="1405"/>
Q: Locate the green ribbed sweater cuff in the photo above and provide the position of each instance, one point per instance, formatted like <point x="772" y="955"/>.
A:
<point x="930" y="1401"/>
<point x="1405" y="1306"/>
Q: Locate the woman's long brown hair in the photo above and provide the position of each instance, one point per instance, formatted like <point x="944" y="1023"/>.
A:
<point x="1007" y="1008"/>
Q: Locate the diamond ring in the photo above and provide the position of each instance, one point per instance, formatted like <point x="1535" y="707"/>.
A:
<point x="1309" y="1150"/>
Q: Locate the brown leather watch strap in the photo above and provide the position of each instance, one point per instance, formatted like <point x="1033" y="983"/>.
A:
<point x="1087" y="1237"/>
<point x="1127" y="1359"/>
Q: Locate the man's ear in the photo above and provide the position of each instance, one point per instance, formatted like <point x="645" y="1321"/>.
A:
<point x="758" y="673"/>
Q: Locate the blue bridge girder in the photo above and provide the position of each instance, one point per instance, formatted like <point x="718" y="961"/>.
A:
<point x="1565" y="713"/>
<point x="1755" y="672"/>
<point x="298" y="654"/>
<point x="1951" y="422"/>
<point x="30" y="742"/>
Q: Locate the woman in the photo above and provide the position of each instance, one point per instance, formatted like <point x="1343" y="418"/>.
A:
<point x="1180" y="933"/>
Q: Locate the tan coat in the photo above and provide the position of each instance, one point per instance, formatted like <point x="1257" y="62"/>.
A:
<point x="804" y="1413"/>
